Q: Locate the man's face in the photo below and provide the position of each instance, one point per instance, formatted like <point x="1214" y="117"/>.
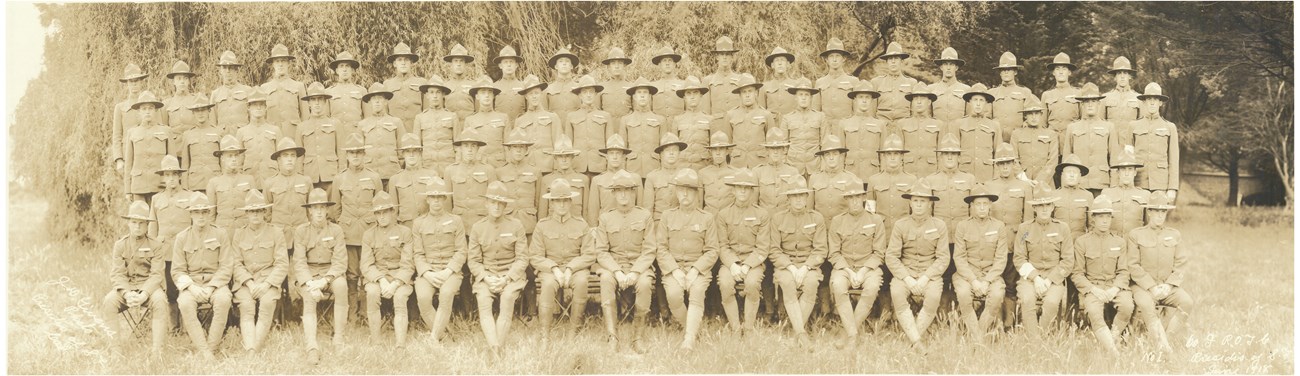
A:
<point x="256" y="217"/>
<point x="200" y="217"/>
<point x="257" y="110"/>
<point x="835" y="60"/>
<point x="803" y="98"/>
<point x="146" y="113"/>
<point x="1156" y="217"/>
<point x="667" y="66"/>
<point x="742" y="193"/>
<point x="692" y="98"/>
<point x="171" y="180"/>
<point x="316" y="106"/>
<point x="495" y="208"/>
<point x="227" y="74"/>
<point x="1153" y="105"/>
<point x="748" y="95"/>
<point x="316" y="214"/>
<point x="1090" y="107"/>
<point x="1061" y="73"/>
<point x="669" y="155"/>
<point x="201" y="116"/>
<point x="614" y="158"/>
<point x="1034" y="119"/>
<point x="833" y="159"/>
<point x="856" y="203"/>
<point x="616" y="68"/>
<point x="517" y="152"/>
<point x="1070" y="176"/>
<point x="641" y="97"/>
<point x="534" y="96"/>
<point x="280" y="66"/>
<point x="1043" y="211"/>
<point x="137" y="227"/>
<point x="949" y="69"/>
<point x="724" y="60"/>
<point x="892" y="160"/>
<point x="980" y="207"/>
<point x="894" y="64"/>
<point x="564" y="162"/>
<point x="181" y="82"/>
<point x="484" y="98"/>
<point x="920" y="205"/>
<point x="402" y="64"/>
<point x="949" y="160"/>
<point x="624" y="196"/>
<point x="356" y="158"/>
<point x="862" y="103"/>
<point x="436" y="203"/>
<point x="344" y="72"/>
<point x="587" y="95"/>
<point x="797" y="202"/>
<point x="719" y="155"/>
<point x="433" y="97"/>
<point x="777" y="154"/>
<point x="508" y="67"/>
<point x="377" y="104"/>
<point x="468" y="151"/>
<point x="457" y="66"/>
<point x="1101" y="221"/>
<point x="288" y="162"/>
<point x="563" y="65"/>
<point x="561" y="207"/>
<point x="780" y="65"/>
<point x="1123" y="79"/>
<point x="412" y="158"/>
<point x="977" y="104"/>
<point x="1006" y="168"/>
<point x="685" y="196"/>
<point x="1126" y="175"/>
<point x="232" y="160"/>
<point x="920" y="104"/>
<point x="135" y="85"/>
<point x="1007" y="75"/>
<point x="385" y="217"/>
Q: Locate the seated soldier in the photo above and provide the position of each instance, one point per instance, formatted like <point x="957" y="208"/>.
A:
<point x="497" y="261"/>
<point x="1101" y="274"/>
<point x="386" y="266"/>
<point x="744" y="241"/>
<point x="1157" y="265"/>
<point x="1043" y="261"/>
<point x="798" y="241"/>
<point x="687" y="241"/>
<point x="558" y="258"/>
<point x="137" y="274"/>
<point x="980" y="254"/>
<point x="856" y="241"/>
<point x="261" y="263"/>
<point x="439" y="254"/>
<point x="626" y="256"/>
<point x="201" y="266"/>
<point x="917" y="257"/>
<point x="319" y="268"/>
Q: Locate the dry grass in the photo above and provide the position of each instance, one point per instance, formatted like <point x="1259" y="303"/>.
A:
<point x="1240" y="276"/>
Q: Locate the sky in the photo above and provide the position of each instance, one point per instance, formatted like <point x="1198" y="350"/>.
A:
<point x="24" y="46"/>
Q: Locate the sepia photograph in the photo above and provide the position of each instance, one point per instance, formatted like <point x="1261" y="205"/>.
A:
<point x="659" y="187"/>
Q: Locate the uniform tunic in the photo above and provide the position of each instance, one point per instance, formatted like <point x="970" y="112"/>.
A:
<point x="1047" y="248"/>
<point x="137" y="265"/>
<point x="205" y="256"/>
<point x="560" y="97"/>
<point x="921" y="137"/>
<point x="980" y="248"/>
<point x="748" y="130"/>
<point x="509" y="101"/>
<point x="589" y="130"/>
<point x="829" y="187"/>
<point x="775" y="97"/>
<point x="407" y="99"/>
<point x="863" y="136"/>
<point x="833" y="99"/>
<point x="806" y="129"/>
<point x="620" y="241"/>
<point x="576" y="180"/>
<point x="717" y="194"/>
<point x="557" y="243"/>
<point x="319" y="252"/>
<point x="951" y="187"/>
<point x="284" y="105"/>
<point x="177" y="112"/>
<point x="145" y="148"/>
<point x="1121" y="108"/>
<point x="388" y="252"/>
<point x="888" y="189"/>
<point x="1128" y="207"/>
<point x="1096" y="143"/>
<point x="497" y="247"/>
<point x="694" y="128"/>
<point x="950" y="105"/>
<point x="644" y="130"/>
<point x="687" y="238"/>
<point x="541" y="128"/>
<point x="260" y="140"/>
<point x="657" y="193"/>
<point x="287" y="194"/>
<point x="772" y="180"/>
<point x="521" y="180"/>
<point x="408" y="188"/>
<point x="1039" y="150"/>
<point x="1072" y="209"/>
<point x="1062" y="108"/>
<point x="1155" y="144"/>
<point x="614" y="99"/>
<point x="468" y="183"/>
<point x="320" y="138"/>
<point x="1100" y="262"/>
<point x="979" y="136"/>
<point x="437" y="129"/>
<point x="799" y="239"/>
<point x="665" y="102"/>
<point x="1155" y="257"/>
<point x="355" y="193"/>
<point x="345" y="105"/>
<point x="171" y="212"/>
<point x="231" y="108"/>
<point x="124" y="119"/>
<point x="459" y="100"/>
<point x="720" y="99"/>
<point x="491" y="128"/>
<point x="1007" y="103"/>
<point x="1011" y="206"/>
<point x="382" y="134"/>
<point x="918" y="247"/>
<point x="743" y="235"/>
<point x="857" y="241"/>
<point x="228" y="192"/>
<point x="261" y="256"/>
<point x="892" y="104"/>
<point x="440" y="243"/>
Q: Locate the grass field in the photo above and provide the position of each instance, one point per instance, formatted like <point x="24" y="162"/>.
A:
<point x="1241" y="277"/>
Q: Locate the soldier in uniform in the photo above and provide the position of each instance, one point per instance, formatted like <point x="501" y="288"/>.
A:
<point x="320" y="135"/>
<point x="487" y="122"/>
<point x="1093" y="140"/>
<point x="743" y="238"/>
<point x="404" y="86"/>
<point x="288" y="190"/>
<point x="439" y="254"/>
<point x="615" y="102"/>
<point x="229" y="188"/>
<point x="557" y="255"/>
<point x="382" y="131"/>
<point x="889" y="185"/>
<point x="952" y="94"/>
<point x="833" y="180"/>
<point x="1127" y="199"/>
<point x="437" y="127"/>
<point x="724" y="79"/>
<point x="1012" y="208"/>
<point x="261" y="261"/>
<point x="1062" y="108"/>
<point x="197" y="145"/>
<point x="1101" y="275"/>
<point x="231" y="96"/>
<point x="318" y="268"/>
<point x="1039" y="147"/>
<point x="124" y="117"/>
<point x="460" y="81"/>
<point x="387" y="262"/>
<point x="643" y="128"/>
<point x="178" y="113"/>
<point x="979" y="135"/>
<point x="408" y="186"/>
<point x="285" y="107"/>
<point x="497" y="260"/>
<point x="624" y="252"/>
<point x="1155" y="141"/>
<point x="686" y="240"/>
<point x="832" y="99"/>
<point x="169" y="218"/>
<point x="894" y="85"/>
<point x="806" y="128"/>
<point x="355" y="191"/>
<point x="980" y="247"/>
<point x="1122" y="104"/>
<point x="716" y="177"/>
<point x="469" y="178"/>
<point x="775" y="171"/>
<point x="917" y="257"/>
<point x="798" y="249"/>
<point x="920" y="132"/>
<point x="345" y="95"/>
<point x="600" y="197"/>
<point x="510" y="101"/>
<point x="863" y="132"/>
<point x="1072" y="207"/>
<point x="590" y="127"/>
<point x="856" y="241"/>
<point x="560" y="97"/>
<point x="693" y="126"/>
<point x="521" y="178"/>
<point x="259" y="136"/>
<point x="748" y="123"/>
<point x="1044" y="260"/>
<point x="563" y="154"/>
<point x="137" y="274"/>
<point x="665" y="100"/>
<point x="950" y="184"/>
<point x="773" y="96"/>
<point x="539" y="126"/>
<point x="146" y="143"/>
<point x="1009" y="97"/>
<point x="657" y="195"/>
<point x="202" y="267"/>
<point x="1157" y="264"/>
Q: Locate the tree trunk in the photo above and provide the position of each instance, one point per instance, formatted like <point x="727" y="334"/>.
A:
<point x="1234" y="177"/>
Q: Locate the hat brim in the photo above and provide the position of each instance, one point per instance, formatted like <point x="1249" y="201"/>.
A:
<point x="475" y="90"/>
<point x="768" y="60"/>
<point x="156" y="104"/>
<point x="681" y="93"/>
<point x="676" y="58"/>
<point x="174" y="74"/>
<point x="1001" y="160"/>
<point x="958" y="151"/>
<point x="731" y="51"/>
<point x="624" y="186"/>
<point x="625" y="60"/>
<point x="797" y="191"/>
<point x="653" y="90"/>
<point x="204" y="106"/>
<point x="606" y="150"/>
<point x="855" y="192"/>
<point x="893" y="151"/>
<point x="551" y="62"/>
<point x="1159" y="207"/>
<point x="959" y="62"/>
<point x="1131" y="164"/>
<point x="1016" y="67"/>
<point x="436" y="193"/>
<point x="497" y="60"/>
<point x="383" y="208"/>
<point x="410" y="147"/>
<point x="1162" y="97"/>
<point x="468" y="59"/>
<point x="971" y="198"/>
<point x="1083" y="170"/>
<point x="385" y="94"/>
<point x="847" y="54"/>
<point x="719" y="146"/>
<point x="967" y="96"/>
<point x="193" y="208"/>
<point x="272" y="58"/>
<point x="599" y="88"/>
<point x="160" y="172"/>
<point x="355" y="148"/>
<point x="459" y="142"/>
<point x="539" y="85"/>
<point x="518" y="143"/>
<point x="900" y="54"/>
<point x="824" y="151"/>
<point x="932" y="96"/>
<point x="321" y="203"/>
<point x="795" y="90"/>
<point x="335" y="64"/>
<point x="128" y="216"/>
<point x="1072" y="67"/>
<point x="755" y="85"/>
<point x="1114" y="70"/>
<point x="499" y="198"/>
<point x="782" y="144"/>
<point x="742" y="184"/>
<point x="133" y="78"/>
<point x="562" y="153"/>
<point x="1089" y="97"/>
<point x="908" y="196"/>
<point x="1044" y="201"/>
<point x="854" y="94"/>
<point x="445" y="90"/>
<point x="1032" y="109"/>
<point x="570" y="196"/>
<point x="681" y="146"/>
<point x="276" y="155"/>
<point x="1101" y="211"/>
<point x="414" y="57"/>
<point x="218" y="153"/>
<point x="228" y="64"/>
<point x="255" y="207"/>
<point x="317" y="95"/>
<point x="696" y="186"/>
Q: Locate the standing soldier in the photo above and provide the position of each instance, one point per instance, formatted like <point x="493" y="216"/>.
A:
<point x="146" y="142"/>
<point x="1122" y="104"/>
<point x="1101" y="275"/>
<point x="798" y="241"/>
<point x="657" y="194"/>
<point x="950" y="184"/>
<point x="1012" y="208"/>
<point x="539" y="126"/>
<point x="1157" y="264"/>
<point x="261" y="262"/>
<point x="497" y="260"/>
<point x="355" y="191"/>
<point x="832" y="181"/>
<point x="461" y="81"/>
<point x="643" y="128"/>
<point x="1062" y="108"/>
<point x="953" y="95"/>
<point x="894" y="85"/>
<point x="835" y="85"/>
<point x="560" y="260"/>
<point x="408" y="186"/>
<point x="319" y="269"/>
<point x="1009" y="96"/>
<point x="1093" y="140"/>
<point x="917" y="257"/>
<point x="487" y="122"/>
<point x="231" y="96"/>
<point x="743" y="238"/>
<point x="387" y="262"/>
<point x="437" y="126"/>
<point x="806" y="127"/>
<point x="773" y="96"/>
<point x="382" y="131"/>
<point x="890" y="184"/>
<point x="979" y="135"/>
<point x="863" y="132"/>
<point x="775" y="172"/>
<point x="469" y="178"/>
<point x="1044" y="260"/>
<point x="169" y="218"/>
<point x="1039" y="147"/>
<point x="693" y="126"/>
<point x="589" y="127"/>
<point x="721" y="97"/>
<point x="749" y="123"/>
<point x="320" y="136"/>
<point x="563" y="153"/>
<point x="560" y="98"/>
<point x="229" y="188"/>
<point x="345" y="95"/>
<point x="980" y="246"/>
<point x="404" y="86"/>
<point x="665" y="100"/>
<point x="202" y="269"/>
<point x="137" y="275"/>
<point x="259" y="137"/>
<point x="1127" y="199"/>
<point x="510" y="101"/>
<point x="439" y="254"/>
<point x="625" y="254"/>
<point x="178" y="113"/>
<point x="600" y="197"/>
<point x="616" y="102"/>
<point x="197" y="145"/>
<point x="285" y="107"/>
<point x="716" y="178"/>
<point x="687" y="242"/>
<point x="920" y="133"/>
<point x="1072" y="208"/>
<point x="124" y="117"/>
<point x="1155" y="141"/>
<point x="856" y="241"/>
<point x="521" y="178"/>
<point x="287" y="191"/>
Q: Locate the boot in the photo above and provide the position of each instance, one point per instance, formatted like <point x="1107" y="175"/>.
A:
<point x="908" y="323"/>
<point x="1156" y="327"/>
<point x="694" y="317"/>
<point x="638" y="332"/>
<point x="1107" y="341"/>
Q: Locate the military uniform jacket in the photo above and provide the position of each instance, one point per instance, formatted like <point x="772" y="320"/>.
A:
<point x="1046" y="247"/>
<point x="1008" y="102"/>
<point x="1128" y="207"/>
<point x="833" y="99"/>
<point x="1121" y="108"/>
<point x="694" y="128"/>
<point x="355" y="192"/>
<point x="951" y="187"/>
<point x="407" y="187"/>
<point x="863" y="136"/>
<point x="137" y="264"/>
<point x="439" y="243"/>
<point x="1155" y="144"/>
<point x="509" y="101"/>
<point x="772" y="180"/>
<point x="657" y="193"/>
<point x="719" y="99"/>
<point x="1039" y="150"/>
<point x="459" y="100"/>
<point x="497" y="247"/>
<point x="614" y="99"/>
<point x="1154" y="256"/>
<point x="124" y="118"/>
<point x="228" y="193"/>
<point x="286" y="195"/>
<point x="686" y="238"/>
<point x="748" y="129"/>
<point x="437" y="129"/>
<point x="888" y="189"/>
<point x="560" y="97"/>
<point x="666" y="102"/>
<point x="918" y="247"/>
<point x="857" y="241"/>
<point x="468" y="183"/>
<point x="407" y="98"/>
<point x="775" y="98"/>
<point x="717" y="194"/>
<point x="522" y="181"/>
<point x="260" y="140"/>
<point x="589" y="129"/>
<point x="950" y="105"/>
<point x="284" y="104"/>
<point x="541" y="127"/>
<point x="828" y="191"/>
<point x="921" y="137"/>
<point x="1096" y="143"/>
<point x="799" y="239"/>
<point x="644" y="130"/>
<point x="145" y="147"/>
<point x="204" y="255"/>
<point x="979" y="136"/>
<point x="319" y="252"/>
<point x="491" y="127"/>
<point x="177" y="114"/>
<point x="624" y="241"/>
<point x="577" y="180"/>
<point x="260" y="256"/>
<point x="1062" y="108"/>
<point x="231" y="111"/>
<point x="1100" y="262"/>
<point x="387" y="252"/>
<point x="1072" y="208"/>
<point x="806" y="129"/>
<point x="320" y="137"/>
<point x="171" y="211"/>
<point x="382" y="134"/>
<point x="980" y="249"/>
<point x="557" y="243"/>
<point x="744" y="235"/>
<point x="893" y="104"/>
<point x="345" y="105"/>
<point x="600" y="198"/>
<point x="1013" y="196"/>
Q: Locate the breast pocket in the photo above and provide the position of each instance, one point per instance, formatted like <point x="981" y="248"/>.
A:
<point x="142" y="262"/>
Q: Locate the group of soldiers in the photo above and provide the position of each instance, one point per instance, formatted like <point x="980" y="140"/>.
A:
<point x="889" y="188"/>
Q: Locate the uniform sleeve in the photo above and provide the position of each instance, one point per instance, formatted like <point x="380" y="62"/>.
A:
<point x="1121" y="271"/>
<point x="959" y="254"/>
<point x="339" y="256"/>
<point x="1079" y="248"/>
<point x="1174" y="183"/>
<point x="458" y="257"/>
<point x="225" y="267"/>
<point x="648" y="194"/>
<point x="941" y="255"/>
<point x="1000" y="254"/>
<point x="894" y="253"/>
<point x="1180" y="265"/>
<point x="780" y="260"/>
<point x="878" y="246"/>
<point x="586" y="254"/>
<point x="368" y="268"/>
<point x="179" y="265"/>
<point x="520" y="264"/>
<point x="298" y="261"/>
<point x="726" y="246"/>
<point x="1067" y="141"/>
<point x="590" y="202"/>
<point x="659" y="242"/>
<point x="819" y="250"/>
<point x="115" y="149"/>
<point x="599" y="243"/>
<point x="240" y="273"/>
<point x="475" y="251"/>
<point x="762" y="242"/>
<point x="280" y="263"/>
<point x="1066" y="266"/>
<point x="418" y="258"/>
<point x="649" y="249"/>
<point x="835" y="248"/>
<point x="1136" y="272"/>
<point x="1020" y="255"/>
<point x="405" y="265"/>
<point x="157" y="268"/>
<point x="128" y="151"/>
<point x="537" y="253"/>
<point x="705" y="263"/>
<point x="1116" y="148"/>
<point x="118" y="273"/>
